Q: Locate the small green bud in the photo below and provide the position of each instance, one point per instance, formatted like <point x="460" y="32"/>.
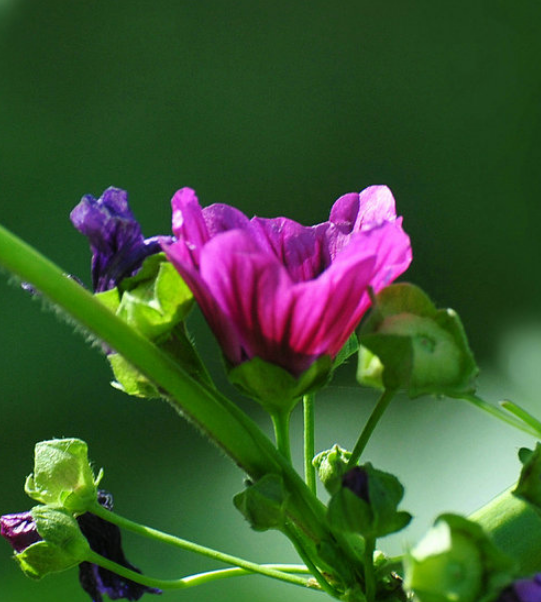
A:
<point x="456" y="562"/>
<point x="529" y="485"/>
<point x="63" y="477"/>
<point x="409" y="344"/>
<point x="263" y="504"/>
<point x="331" y="466"/>
<point x="276" y="389"/>
<point x="62" y="547"/>
<point x="367" y="503"/>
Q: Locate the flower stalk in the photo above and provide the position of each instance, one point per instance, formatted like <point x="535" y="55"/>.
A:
<point x="207" y="577"/>
<point x="381" y="405"/>
<point x="188" y="546"/>
<point x="309" y="441"/>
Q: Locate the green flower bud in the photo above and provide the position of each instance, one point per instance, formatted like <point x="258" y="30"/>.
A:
<point x="263" y="504"/>
<point x="63" y="477"/>
<point x="62" y="545"/>
<point x="331" y="466"/>
<point x="456" y="562"/>
<point x="409" y="344"/>
<point x="367" y="503"/>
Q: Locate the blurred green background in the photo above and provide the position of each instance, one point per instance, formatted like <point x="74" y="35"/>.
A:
<point x="278" y="108"/>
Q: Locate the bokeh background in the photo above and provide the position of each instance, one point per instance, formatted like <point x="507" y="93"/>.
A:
<point x="278" y="108"/>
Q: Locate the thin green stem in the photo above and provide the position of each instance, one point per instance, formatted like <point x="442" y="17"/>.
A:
<point x="522" y="415"/>
<point x="318" y="576"/>
<point x="381" y="405"/>
<point x="309" y="441"/>
<point x="178" y="542"/>
<point x="201" y="578"/>
<point x="497" y="412"/>
<point x="369" y="576"/>
<point x="280" y="421"/>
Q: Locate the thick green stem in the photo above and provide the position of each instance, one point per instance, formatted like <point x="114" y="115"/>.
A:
<point x="274" y="571"/>
<point x="515" y="528"/>
<point x="280" y="421"/>
<point x="309" y="441"/>
<point x="377" y="413"/>
<point x="215" y="415"/>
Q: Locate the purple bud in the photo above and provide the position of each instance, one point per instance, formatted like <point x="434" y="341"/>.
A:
<point x="104" y="538"/>
<point x="20" y="530"/>
<point x="115" y="236"/>
<point x="356" y="480"/>
<point x="523" y="590"/>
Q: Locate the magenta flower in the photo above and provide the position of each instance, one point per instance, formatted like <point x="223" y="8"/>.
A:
<point x="280" y="291"/>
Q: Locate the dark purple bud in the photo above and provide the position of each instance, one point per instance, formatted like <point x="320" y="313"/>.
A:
<point x="104" y="538"/>
<point x="116" y="240"/>
<point x="20" y="530"/>
<point x="523" y="590"/>
<point x="356" y="480"/>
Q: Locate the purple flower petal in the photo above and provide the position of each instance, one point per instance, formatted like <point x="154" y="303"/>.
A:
<point x="523" y="590"/>
<point x="356" y="480"/>
<point x="117" y="243"/>
<point x="20" y="530"/>
<point x="287" y="293"/>
<point x="104" y="539"/>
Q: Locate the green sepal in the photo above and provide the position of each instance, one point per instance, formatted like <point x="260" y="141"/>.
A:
<point x="351" y="347"/>
<point x="276" y="389"/>
<point x="153" y="301"/>
<point x="331" y="465"/>
<point x="376" y="516"/>
<point x="179" y="346"/>
<point x="63" y="476"/>
<point x="529" y="484"/>
<point x="62" y="548"/>
<point x="456" y="562"/>
<point x="263" y="504"/>
<point x="129" y="380"/>
<point x="409" y="344"/>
